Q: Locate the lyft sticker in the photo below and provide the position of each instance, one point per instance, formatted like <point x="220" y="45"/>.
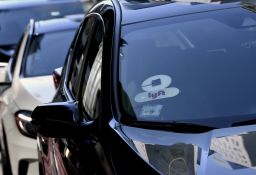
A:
<point x="151" y="111"/>
<point x="155" y="83"/>
<point x="156" y="87"/>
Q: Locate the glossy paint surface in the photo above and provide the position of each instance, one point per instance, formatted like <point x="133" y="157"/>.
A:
<point x="116" y="147"/>
<point x="228" y="151"/>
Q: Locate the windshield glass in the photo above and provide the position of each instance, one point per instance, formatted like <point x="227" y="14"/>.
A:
<point x="192" y="68"/>
<point x="47" y="52"/>
<point x="14" y="21"/>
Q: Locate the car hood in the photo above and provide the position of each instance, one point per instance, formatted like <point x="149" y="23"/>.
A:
<point x="36" y="90"/>
<point x="229" y="151"/>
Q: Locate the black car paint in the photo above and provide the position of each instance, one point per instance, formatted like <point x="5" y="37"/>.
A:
<point x="114" y="146"/>
<point x="203" y="153"/>
<point x="84" y="150"/>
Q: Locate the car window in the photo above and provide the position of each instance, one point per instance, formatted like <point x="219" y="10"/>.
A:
<point x="92" y="86"/>
<point x="41" y="59"/>
<point x="85" y="77"/>
<point x="78" y="55"/>
<point x="91" y="80"/>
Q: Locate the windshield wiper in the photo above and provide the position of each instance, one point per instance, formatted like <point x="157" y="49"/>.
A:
<point x="180" y="127"/>
<point x="8" y="53"/>
<point x="245" y="122"/>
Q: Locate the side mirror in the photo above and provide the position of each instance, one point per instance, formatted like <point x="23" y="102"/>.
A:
<point x="3" y="72"/>
<point x="4" y="79"/>
<point x="59" y="120"/>
<point x="56" y="76"/>
<point x="6" y="54"/>
<point x="4" y="86"/>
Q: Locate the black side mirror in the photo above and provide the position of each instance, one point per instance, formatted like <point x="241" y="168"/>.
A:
<point x="59" y="120"/>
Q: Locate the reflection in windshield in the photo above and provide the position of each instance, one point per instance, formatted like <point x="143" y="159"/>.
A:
<point x="190" y="68"/>
<point x="42" y="57"/>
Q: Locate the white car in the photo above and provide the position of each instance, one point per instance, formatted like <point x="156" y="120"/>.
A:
<point x="43" y="48"/>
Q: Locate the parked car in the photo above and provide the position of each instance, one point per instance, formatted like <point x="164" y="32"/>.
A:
<point x="15" y="15"/>
<point x="155" y="88"/>
<point x="42" y="49"/>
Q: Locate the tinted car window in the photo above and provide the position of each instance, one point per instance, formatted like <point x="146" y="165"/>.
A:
<point x="78" y="55"/>
<point x="190" y="68"/>
<point x="85" y="71"/>
<point x="47" y="52"/>
<point x="92" y="86"/>
<point x="13" y="21"/>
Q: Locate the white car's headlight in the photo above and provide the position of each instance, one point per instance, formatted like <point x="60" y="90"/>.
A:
<point x="23" y="121"/>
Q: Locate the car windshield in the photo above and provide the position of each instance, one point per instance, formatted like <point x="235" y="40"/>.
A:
<point x="196" y="68"/>
<point x="14" y="21"/>
<point x="47" y="52"/>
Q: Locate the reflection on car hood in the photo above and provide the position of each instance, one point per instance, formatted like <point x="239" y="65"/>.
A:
<point x="227" y="151"/>
<point x="41" y="88"/>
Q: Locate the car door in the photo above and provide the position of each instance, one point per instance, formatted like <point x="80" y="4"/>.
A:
<point x="78" y="155"/>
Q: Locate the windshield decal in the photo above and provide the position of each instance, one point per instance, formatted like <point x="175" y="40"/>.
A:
<point x="156" y="87"/>
<point x="155" y="83"/>
<point x="151" y="111"/>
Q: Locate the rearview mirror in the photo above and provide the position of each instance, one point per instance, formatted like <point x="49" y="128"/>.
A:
<point x="59" y="120"/>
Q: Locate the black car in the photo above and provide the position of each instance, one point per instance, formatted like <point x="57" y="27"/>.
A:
<point x="155" y="87"/>
<point x="15" y="15"/>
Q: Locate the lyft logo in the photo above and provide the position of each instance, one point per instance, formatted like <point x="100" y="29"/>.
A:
<point x="156" y="87"/>
<point x="157" y="94"/>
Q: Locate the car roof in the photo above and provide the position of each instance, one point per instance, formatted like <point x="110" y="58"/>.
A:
<point x="143" y="10"/>
<point x="16" y="4"/>
<point x="52" y="25"/>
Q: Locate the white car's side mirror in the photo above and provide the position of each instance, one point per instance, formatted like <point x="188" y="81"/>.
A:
<point x="3" y="72"/>
<point x="56" y="76"/>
